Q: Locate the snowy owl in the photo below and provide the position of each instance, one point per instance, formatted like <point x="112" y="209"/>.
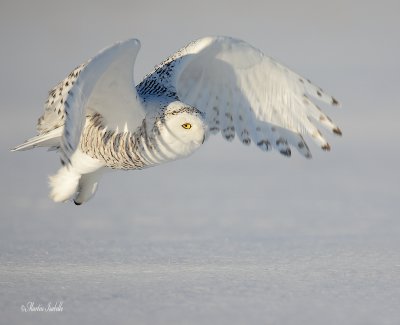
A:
<point x="97" y="118"/>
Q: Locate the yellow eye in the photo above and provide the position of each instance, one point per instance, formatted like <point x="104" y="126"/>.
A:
<point x="186" y="126"/>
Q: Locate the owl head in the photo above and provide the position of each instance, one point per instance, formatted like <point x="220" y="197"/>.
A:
<point x="181" y="130"/>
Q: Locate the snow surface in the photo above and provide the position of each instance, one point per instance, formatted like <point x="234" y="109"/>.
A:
<point x="230" y="235"/>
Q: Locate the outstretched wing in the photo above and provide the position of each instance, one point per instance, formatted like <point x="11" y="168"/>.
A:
<point x="244" y="92"/>
<point x="103" y="85"/>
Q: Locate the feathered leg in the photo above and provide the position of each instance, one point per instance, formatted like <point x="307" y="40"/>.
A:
<point x="65" y="183"/>
<point x="87" y="186"/>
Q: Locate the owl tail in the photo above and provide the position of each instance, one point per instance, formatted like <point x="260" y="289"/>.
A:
<point x="50" y="139"/>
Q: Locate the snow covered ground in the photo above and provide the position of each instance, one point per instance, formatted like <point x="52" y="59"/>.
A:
<point x="230" y="235"/>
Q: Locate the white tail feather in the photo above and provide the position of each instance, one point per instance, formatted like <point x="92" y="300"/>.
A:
<point x="49" y="139"/>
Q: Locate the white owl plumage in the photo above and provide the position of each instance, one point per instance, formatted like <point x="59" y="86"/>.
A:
<point x="97" y="118"/>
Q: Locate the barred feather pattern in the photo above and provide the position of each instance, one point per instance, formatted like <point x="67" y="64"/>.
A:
<point x="122" y="150"/>
<point x="54" y="113"/>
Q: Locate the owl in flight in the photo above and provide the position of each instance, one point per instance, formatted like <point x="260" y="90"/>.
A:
<point x="97" y="118"/>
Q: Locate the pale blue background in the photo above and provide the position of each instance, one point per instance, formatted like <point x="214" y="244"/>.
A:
<point x="229" y="235"/>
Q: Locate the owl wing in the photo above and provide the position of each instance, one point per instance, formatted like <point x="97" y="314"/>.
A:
<point x="103" y="85"/>
<point x="244" y="92"/>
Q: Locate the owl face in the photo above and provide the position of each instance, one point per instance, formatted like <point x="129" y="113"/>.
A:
<point x="183" y="130"/>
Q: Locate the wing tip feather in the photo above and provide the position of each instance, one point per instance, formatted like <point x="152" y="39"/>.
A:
<point x="286" y="152"/>
<point x="326" y="147"/>
<point x="335" y="102"/>
<point x="337" y="131"/>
